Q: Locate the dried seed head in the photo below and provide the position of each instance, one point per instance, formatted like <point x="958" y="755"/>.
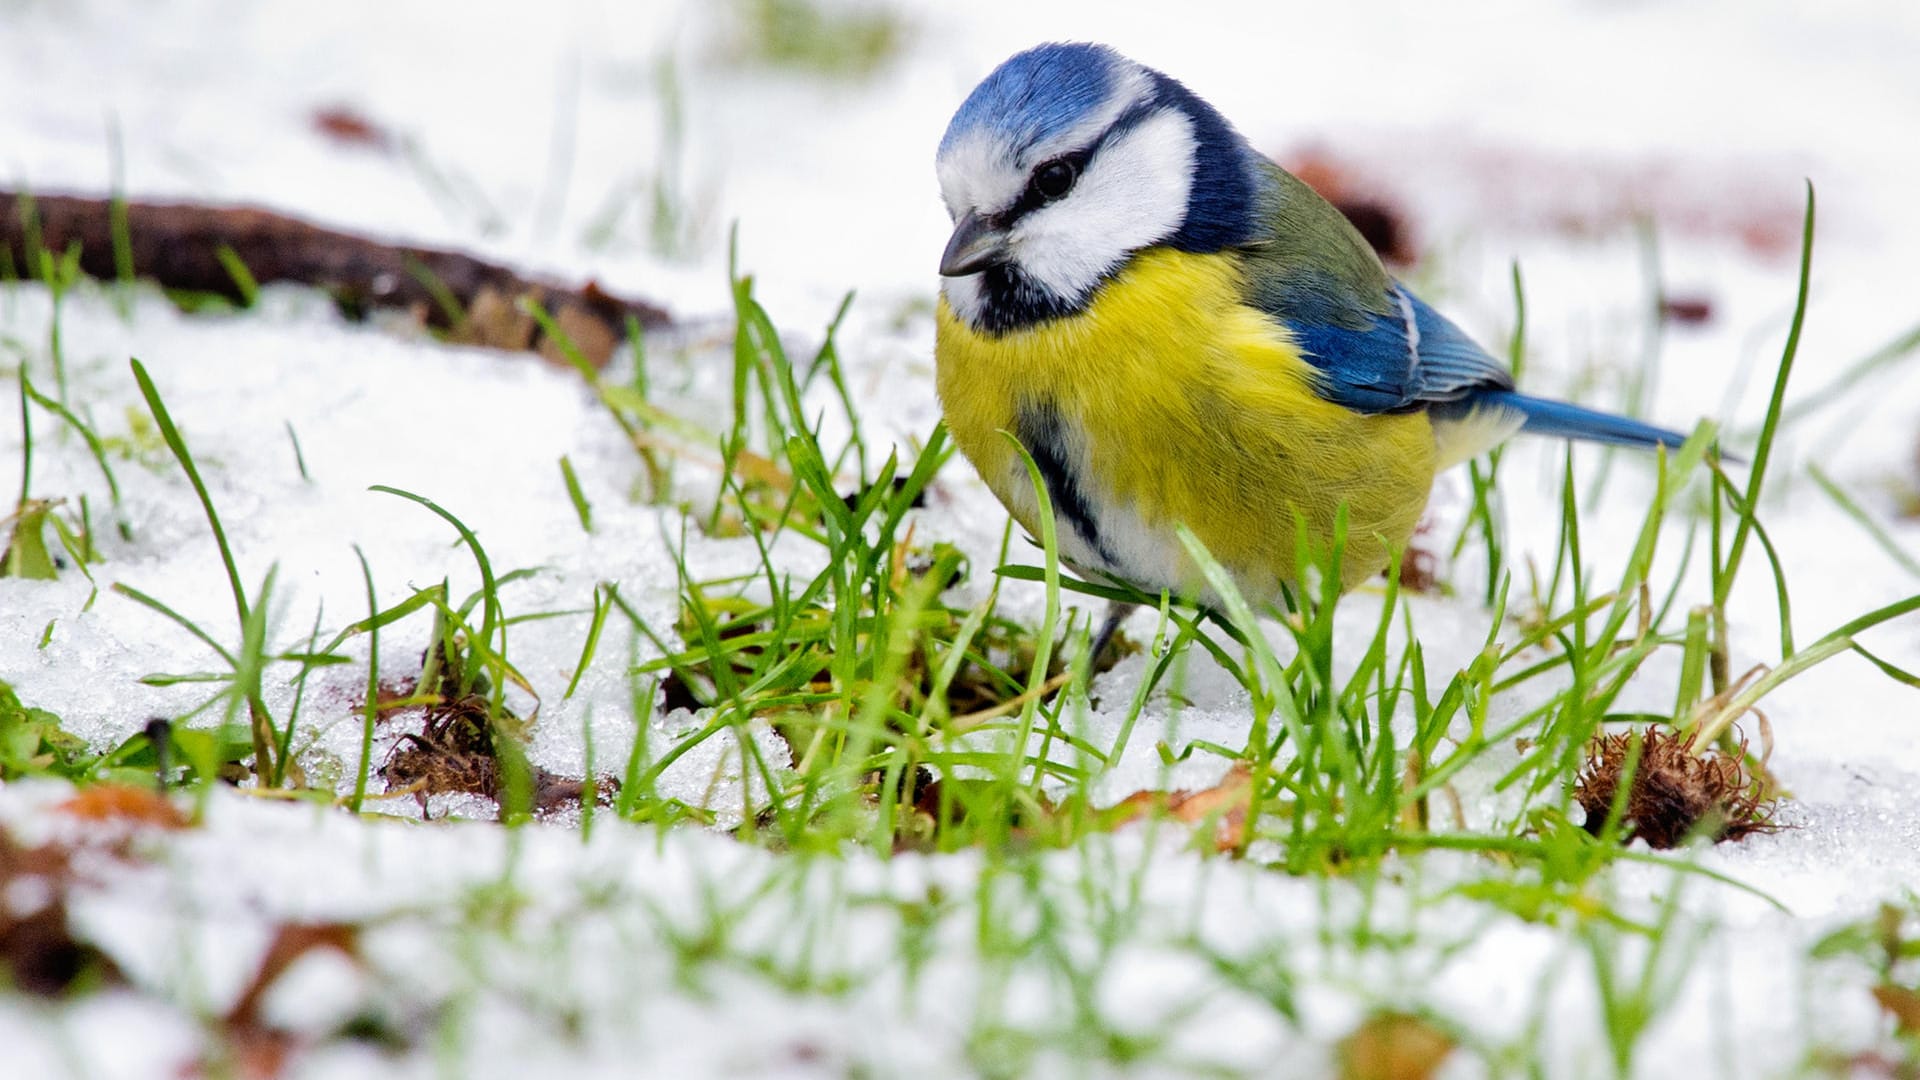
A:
<point x="1674" y="792"/>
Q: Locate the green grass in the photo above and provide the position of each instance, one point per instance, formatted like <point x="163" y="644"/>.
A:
<point x="910" y="711"/>
<point x="819" y="37"/>
<point x="1883" y="953"/>
<point x="663" y="206"/>
<point x="1352" y="760"/>
<point x="26" y="553"/>
<point x="857" y="668"/>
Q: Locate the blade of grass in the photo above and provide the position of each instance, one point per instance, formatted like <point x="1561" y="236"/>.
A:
<point x="370" y="709"/>
<point x="1865" y="520"/>
<point x="1763" y="451"/>
<point x="1834" y="643"/>
<point x="581" y="508"/>
<point x="178" y="446"/>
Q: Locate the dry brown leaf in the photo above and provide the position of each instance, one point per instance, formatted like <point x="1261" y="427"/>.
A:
<point x="1393" y="1046"/>
<point x="38" y="952"/>
<point x="291" y="942"/>
<point x="1224" y="803"/>
<point x="1136" y="806"/>
<point x="494" y="320"/>
<point x="253" y="1049"/>
<point x="1420" y="565"/>
<point x="350" y="127"/>
<point x="124" y="802"/>
<point x="1902" y="1003"/>
<point x="588" y="333"/>
<point x="1235" y="788"/>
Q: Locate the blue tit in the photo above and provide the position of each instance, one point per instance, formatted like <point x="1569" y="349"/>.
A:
<point x="1178" y="331"/>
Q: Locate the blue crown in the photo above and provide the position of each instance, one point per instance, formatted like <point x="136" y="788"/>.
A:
<point x="1039" y="92"/>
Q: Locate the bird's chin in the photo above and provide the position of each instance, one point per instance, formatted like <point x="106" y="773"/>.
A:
<point x="966" y="296"/>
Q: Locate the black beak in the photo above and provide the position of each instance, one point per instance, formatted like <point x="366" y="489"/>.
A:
<point x="977" y="243"/>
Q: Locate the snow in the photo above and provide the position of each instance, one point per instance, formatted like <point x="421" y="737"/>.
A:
<point x="497" y="953"/>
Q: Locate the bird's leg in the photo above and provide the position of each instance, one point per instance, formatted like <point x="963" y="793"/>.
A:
<point x="1117" y="612"/>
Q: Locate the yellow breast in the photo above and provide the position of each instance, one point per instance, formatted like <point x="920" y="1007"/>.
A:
<point x="1174" y="402"/>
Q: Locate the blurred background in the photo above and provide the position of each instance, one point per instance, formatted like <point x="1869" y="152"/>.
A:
<point x="1643" y="162"/>
<point x="621" y="141"/>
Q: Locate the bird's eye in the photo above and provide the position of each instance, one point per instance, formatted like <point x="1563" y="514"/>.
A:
<point x="1054" y="179"/>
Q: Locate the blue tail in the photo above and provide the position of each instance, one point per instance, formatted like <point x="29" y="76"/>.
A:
<point x="1559" y="419"/>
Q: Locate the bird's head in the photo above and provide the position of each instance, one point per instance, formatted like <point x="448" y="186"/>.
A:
<point x="1067" y="160"/>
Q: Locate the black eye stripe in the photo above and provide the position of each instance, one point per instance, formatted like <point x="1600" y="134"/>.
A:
<point x="1033" y="198"/>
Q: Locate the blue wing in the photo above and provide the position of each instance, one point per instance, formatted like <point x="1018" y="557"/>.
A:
<point x="1415" y="358"/>
<point x="1409" y="357"/>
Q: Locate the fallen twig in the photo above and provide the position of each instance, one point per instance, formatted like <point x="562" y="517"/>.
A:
<point x="195" y="248"/>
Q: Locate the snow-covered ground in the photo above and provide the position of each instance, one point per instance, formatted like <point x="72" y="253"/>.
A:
<point x="1536" y="132"/>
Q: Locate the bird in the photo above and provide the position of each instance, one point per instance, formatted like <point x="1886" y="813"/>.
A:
<point x="1179" y="332"/>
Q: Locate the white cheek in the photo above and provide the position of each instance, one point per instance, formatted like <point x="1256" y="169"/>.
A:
<point x="1132" y="196"/>
<point x="964" y="297"/>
